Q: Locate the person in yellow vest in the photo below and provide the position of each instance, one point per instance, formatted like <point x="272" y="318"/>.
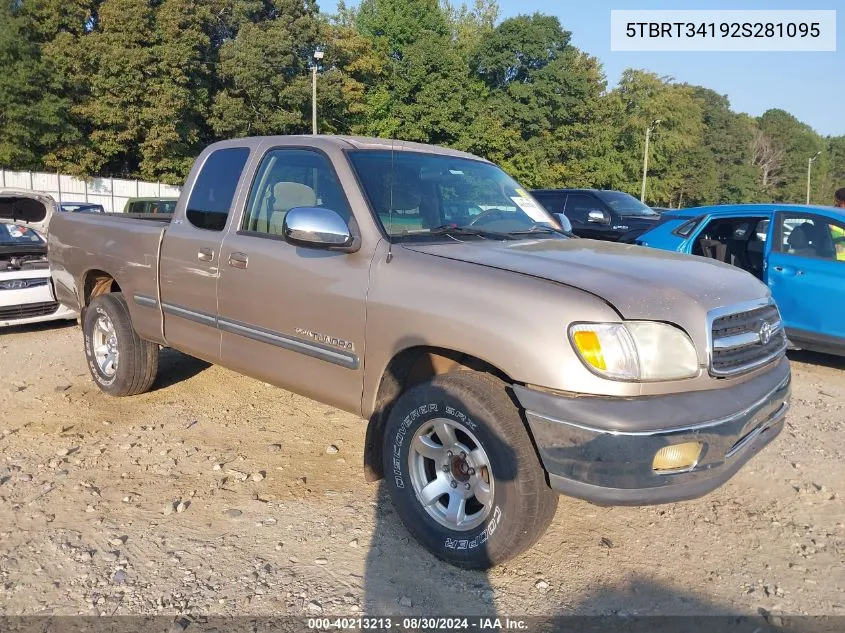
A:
<point x="837" y="232"/>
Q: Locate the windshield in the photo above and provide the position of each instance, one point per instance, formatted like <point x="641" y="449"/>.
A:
<point x="416" y="195"/>
<point x="83" y="208"/>
<point x="625" y="203"/>
<point x="12" y="235"/>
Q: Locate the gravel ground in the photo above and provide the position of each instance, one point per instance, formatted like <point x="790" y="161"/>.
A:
<point x="216" y="494"/>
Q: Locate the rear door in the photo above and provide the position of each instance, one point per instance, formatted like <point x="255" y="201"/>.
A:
<point x="806" y="272"/>
<point x="190" y="254"/>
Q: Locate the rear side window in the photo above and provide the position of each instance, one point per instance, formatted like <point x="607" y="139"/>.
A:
<point x="214" y="189"/>
<point x="687" y="227"/>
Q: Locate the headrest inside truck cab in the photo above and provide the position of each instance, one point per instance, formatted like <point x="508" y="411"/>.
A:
<point x="289" y="195"/>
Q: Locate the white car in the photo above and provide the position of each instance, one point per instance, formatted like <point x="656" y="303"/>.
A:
<point x="26" y="290"/>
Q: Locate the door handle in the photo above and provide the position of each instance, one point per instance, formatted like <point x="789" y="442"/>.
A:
<point x="789" y="271"/>
<point x="238" y="260"/>
<point x="205" y="254"/>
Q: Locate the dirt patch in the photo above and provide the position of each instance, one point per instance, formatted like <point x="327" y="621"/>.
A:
<point x="218" y="494"/>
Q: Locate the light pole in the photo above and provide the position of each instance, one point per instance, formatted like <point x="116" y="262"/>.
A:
<point x="318" y="55"/>
<point x="648" y="132"/>
<point x="810" y="162"/>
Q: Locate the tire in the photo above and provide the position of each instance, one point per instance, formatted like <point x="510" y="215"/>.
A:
<point x="502" y="519"/>
<point x="135" y="363"/>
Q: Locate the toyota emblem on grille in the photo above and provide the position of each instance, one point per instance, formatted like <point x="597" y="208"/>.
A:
<point x="766" y="331"/>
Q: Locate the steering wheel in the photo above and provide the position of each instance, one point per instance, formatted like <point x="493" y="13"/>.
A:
<point x="491" y="215"/>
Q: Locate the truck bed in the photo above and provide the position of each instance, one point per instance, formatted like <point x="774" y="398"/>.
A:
<point x="127" y="245"/>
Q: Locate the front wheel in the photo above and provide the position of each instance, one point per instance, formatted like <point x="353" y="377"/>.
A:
<point x="463" y="473"/>
<point x="120" y="362"/>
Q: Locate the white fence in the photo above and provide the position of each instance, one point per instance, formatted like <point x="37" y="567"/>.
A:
<point x="112" y="193"/>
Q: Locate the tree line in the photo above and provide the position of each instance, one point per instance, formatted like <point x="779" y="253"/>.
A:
<point x="136" y="88"/>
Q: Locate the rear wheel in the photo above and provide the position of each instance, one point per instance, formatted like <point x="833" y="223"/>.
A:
<point x="463" y="473"/>
<point x="120" y="362"/>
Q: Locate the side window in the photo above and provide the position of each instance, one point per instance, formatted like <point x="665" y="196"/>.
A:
<point x="578" y="205"/>
<point x="553" y="203"/>
<point x="214" y="189"/>
<point x="811" y="236"/>
<point x="290" y="178"/>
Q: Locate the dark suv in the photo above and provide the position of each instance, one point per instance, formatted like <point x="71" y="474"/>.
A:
<point x="600" y="214"/>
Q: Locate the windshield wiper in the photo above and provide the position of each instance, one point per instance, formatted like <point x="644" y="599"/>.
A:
<point x="446" y="229"/>
<point x="539" y="228"/>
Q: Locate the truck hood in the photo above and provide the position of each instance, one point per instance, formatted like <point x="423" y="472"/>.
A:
<point x="26" y="208"/>
<point x="639" y="282"/>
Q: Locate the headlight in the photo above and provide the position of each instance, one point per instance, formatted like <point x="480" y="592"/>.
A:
<point x="635" y="350"/>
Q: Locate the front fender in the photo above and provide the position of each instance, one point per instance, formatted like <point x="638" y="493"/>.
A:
<point x="513" y="322"/>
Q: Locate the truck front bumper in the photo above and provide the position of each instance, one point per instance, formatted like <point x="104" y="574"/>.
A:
<point x="602" y="449"/>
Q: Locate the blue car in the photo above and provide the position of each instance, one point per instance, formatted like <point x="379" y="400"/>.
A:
<point x="797" y="250"/>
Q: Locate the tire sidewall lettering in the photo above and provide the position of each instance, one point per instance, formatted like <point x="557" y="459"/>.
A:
<point x="399" y="459"/>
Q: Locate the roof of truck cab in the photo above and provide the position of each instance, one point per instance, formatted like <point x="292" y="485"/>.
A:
<point x="766" y="207"/>
<point x="349" y="142"/>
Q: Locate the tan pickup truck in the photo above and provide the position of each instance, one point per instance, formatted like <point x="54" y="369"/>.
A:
<point x="497" y="361"/>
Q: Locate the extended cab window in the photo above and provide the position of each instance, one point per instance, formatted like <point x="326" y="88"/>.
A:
<point x="290" y="178"/>
<point x="214" y="189"/>
<point x="812" y="236"/>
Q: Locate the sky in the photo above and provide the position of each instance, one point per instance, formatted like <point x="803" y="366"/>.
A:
<point x="810" y="85"/>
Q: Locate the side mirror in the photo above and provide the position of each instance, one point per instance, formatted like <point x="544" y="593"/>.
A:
<point x="598" y="217"/>
<point x="317" y="227"/>
<point x="565" y="224"/>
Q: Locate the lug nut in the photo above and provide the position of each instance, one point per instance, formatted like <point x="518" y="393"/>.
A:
<point x="454" y="484"/>
<point x="471" y="471"/>
<point x="466" y="485"/>
<point x="463" y="455"/>
<point x="448" y="453"/>
<point x="445" y="468"/>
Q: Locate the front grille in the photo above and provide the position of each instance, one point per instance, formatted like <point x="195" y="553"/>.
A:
<point x="28" y="310"/>
<point x="20" y="284"/>
<point x="744" y="340"/>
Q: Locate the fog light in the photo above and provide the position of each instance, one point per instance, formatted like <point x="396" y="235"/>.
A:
<point x="677" y="457"/>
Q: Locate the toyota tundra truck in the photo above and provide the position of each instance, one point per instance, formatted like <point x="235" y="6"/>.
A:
<point x="496" y="361"/>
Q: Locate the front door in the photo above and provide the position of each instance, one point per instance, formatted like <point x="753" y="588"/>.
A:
<point x="190" y="255"/>
<point x="578" y="208"/>
<point x="806" y="272"/>
<point x="290" y="315"/>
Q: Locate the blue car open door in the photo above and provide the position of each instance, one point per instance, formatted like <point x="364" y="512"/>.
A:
<point x="806" y="273"/>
